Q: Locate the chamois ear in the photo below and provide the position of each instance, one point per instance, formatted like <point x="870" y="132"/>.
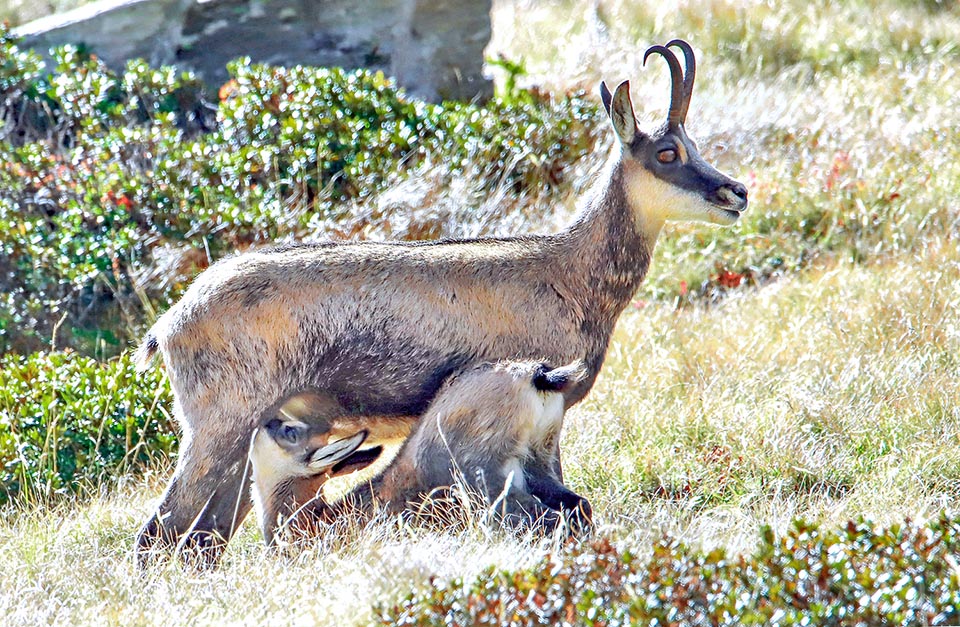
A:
<point x="621" y="114"/>
<point x="605" y="96"/>
<point x="357" y="461"/>
<point x="327" y="456"/>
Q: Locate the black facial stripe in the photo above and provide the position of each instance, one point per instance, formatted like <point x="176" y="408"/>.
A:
<point x="694" y="175"/>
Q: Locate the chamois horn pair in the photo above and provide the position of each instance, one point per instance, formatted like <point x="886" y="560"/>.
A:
<point x="682" y="81"/>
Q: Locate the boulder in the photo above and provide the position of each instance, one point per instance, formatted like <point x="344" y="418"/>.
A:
<point x="434" y="48"/>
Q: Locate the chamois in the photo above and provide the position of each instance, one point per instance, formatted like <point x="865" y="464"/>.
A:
<point x="493" y="427"/>
<point x="379" y="326"/>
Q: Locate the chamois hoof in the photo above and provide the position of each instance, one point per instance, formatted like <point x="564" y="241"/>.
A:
<point x="579" y="518"/>
<point x="155" y="544"/>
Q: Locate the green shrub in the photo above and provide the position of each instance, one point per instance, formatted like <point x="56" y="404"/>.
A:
<point x="99" y="169"/>
<point x="901" y="575"/>
<point x="67" y="421"/>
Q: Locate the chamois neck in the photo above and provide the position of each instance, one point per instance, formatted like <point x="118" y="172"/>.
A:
<point x="610" y="245"/>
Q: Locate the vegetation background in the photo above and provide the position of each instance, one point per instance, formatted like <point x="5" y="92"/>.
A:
<point x="800" y="365"/>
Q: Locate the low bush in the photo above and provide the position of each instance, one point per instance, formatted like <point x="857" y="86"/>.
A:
<point x="99" y="170"/>
<point x="68" y="421"/>
<point x="904" y="574"/>
<point x="117" y="188"/>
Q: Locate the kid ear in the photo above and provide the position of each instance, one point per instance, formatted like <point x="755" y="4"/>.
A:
<point x="560" y="379"/>
<point x="325" y="457"/>
<point x="605" y="96"/>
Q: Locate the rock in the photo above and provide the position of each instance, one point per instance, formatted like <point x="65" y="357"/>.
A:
<point x="439" y="50"/>
<point x="116" y="30"/>
<point x="433" y="47"/>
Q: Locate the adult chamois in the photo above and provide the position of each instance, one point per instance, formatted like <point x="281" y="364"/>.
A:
<point x="492" y="429"/>
<point x="379" y="326"/>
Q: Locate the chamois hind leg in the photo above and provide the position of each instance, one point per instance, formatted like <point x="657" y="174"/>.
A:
<point x="223" y="381"/>
<point x="208" y="496"/>
<point x="206" y="500"/>
<point x="511" y="503"/>
<point x="521" y="512"/>
<point x="576" y="509"/>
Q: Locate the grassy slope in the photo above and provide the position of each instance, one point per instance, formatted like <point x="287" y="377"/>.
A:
<point x="724" y="419"/>
<point x="826" y="391"/>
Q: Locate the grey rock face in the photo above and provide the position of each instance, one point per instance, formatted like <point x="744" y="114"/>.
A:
<point x="439" y="51"/>
<point x="116" y="30"/>
<point x="433" y="47"/>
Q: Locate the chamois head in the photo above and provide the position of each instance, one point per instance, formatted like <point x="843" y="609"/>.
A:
<point x="292" y="457"/>
<point x="664" y="171"/>
<point x="308" y="452"/>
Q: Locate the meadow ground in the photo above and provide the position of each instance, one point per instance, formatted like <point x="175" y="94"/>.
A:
<point x="826" y="397"/>
<point x="813" y="374"/>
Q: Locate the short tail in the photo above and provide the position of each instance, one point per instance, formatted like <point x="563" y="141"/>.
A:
<point x="145" y="353"/>
<point x="560" y="379"/>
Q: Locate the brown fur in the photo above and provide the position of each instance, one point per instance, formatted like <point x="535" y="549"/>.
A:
<point x="286" y="475"/>
<point x="379" y="326"/>
<point x="485" y="423"/>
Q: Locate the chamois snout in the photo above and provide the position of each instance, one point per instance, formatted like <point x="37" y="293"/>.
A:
<point x="731" y="196"/>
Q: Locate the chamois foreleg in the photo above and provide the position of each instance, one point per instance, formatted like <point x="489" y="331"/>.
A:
<point x="208" y="496"/>
<point x="524" y="513"/>
<point x="515" y="508"/>
<point x="206" y="500"/>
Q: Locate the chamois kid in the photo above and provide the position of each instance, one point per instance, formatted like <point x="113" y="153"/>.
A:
<point x="379" y="326"/>
<point x="493" y="428"/>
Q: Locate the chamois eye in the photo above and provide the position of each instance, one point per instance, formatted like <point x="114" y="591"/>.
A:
<point x="667" y="155"/>
<point x="290" y="433"/>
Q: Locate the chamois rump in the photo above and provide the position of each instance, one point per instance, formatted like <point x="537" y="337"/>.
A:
<point x="379" y="326"/>
<point x="492" y="429"/>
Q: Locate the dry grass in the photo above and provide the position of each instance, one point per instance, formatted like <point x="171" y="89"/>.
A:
<point x="825" y="396"/>
<point x="73" y="565"/>
<point x="826" y="389"/>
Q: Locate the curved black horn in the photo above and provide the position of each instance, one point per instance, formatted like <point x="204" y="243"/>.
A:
<point x="674" y="118"/>
<point x="688" y="76"/>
